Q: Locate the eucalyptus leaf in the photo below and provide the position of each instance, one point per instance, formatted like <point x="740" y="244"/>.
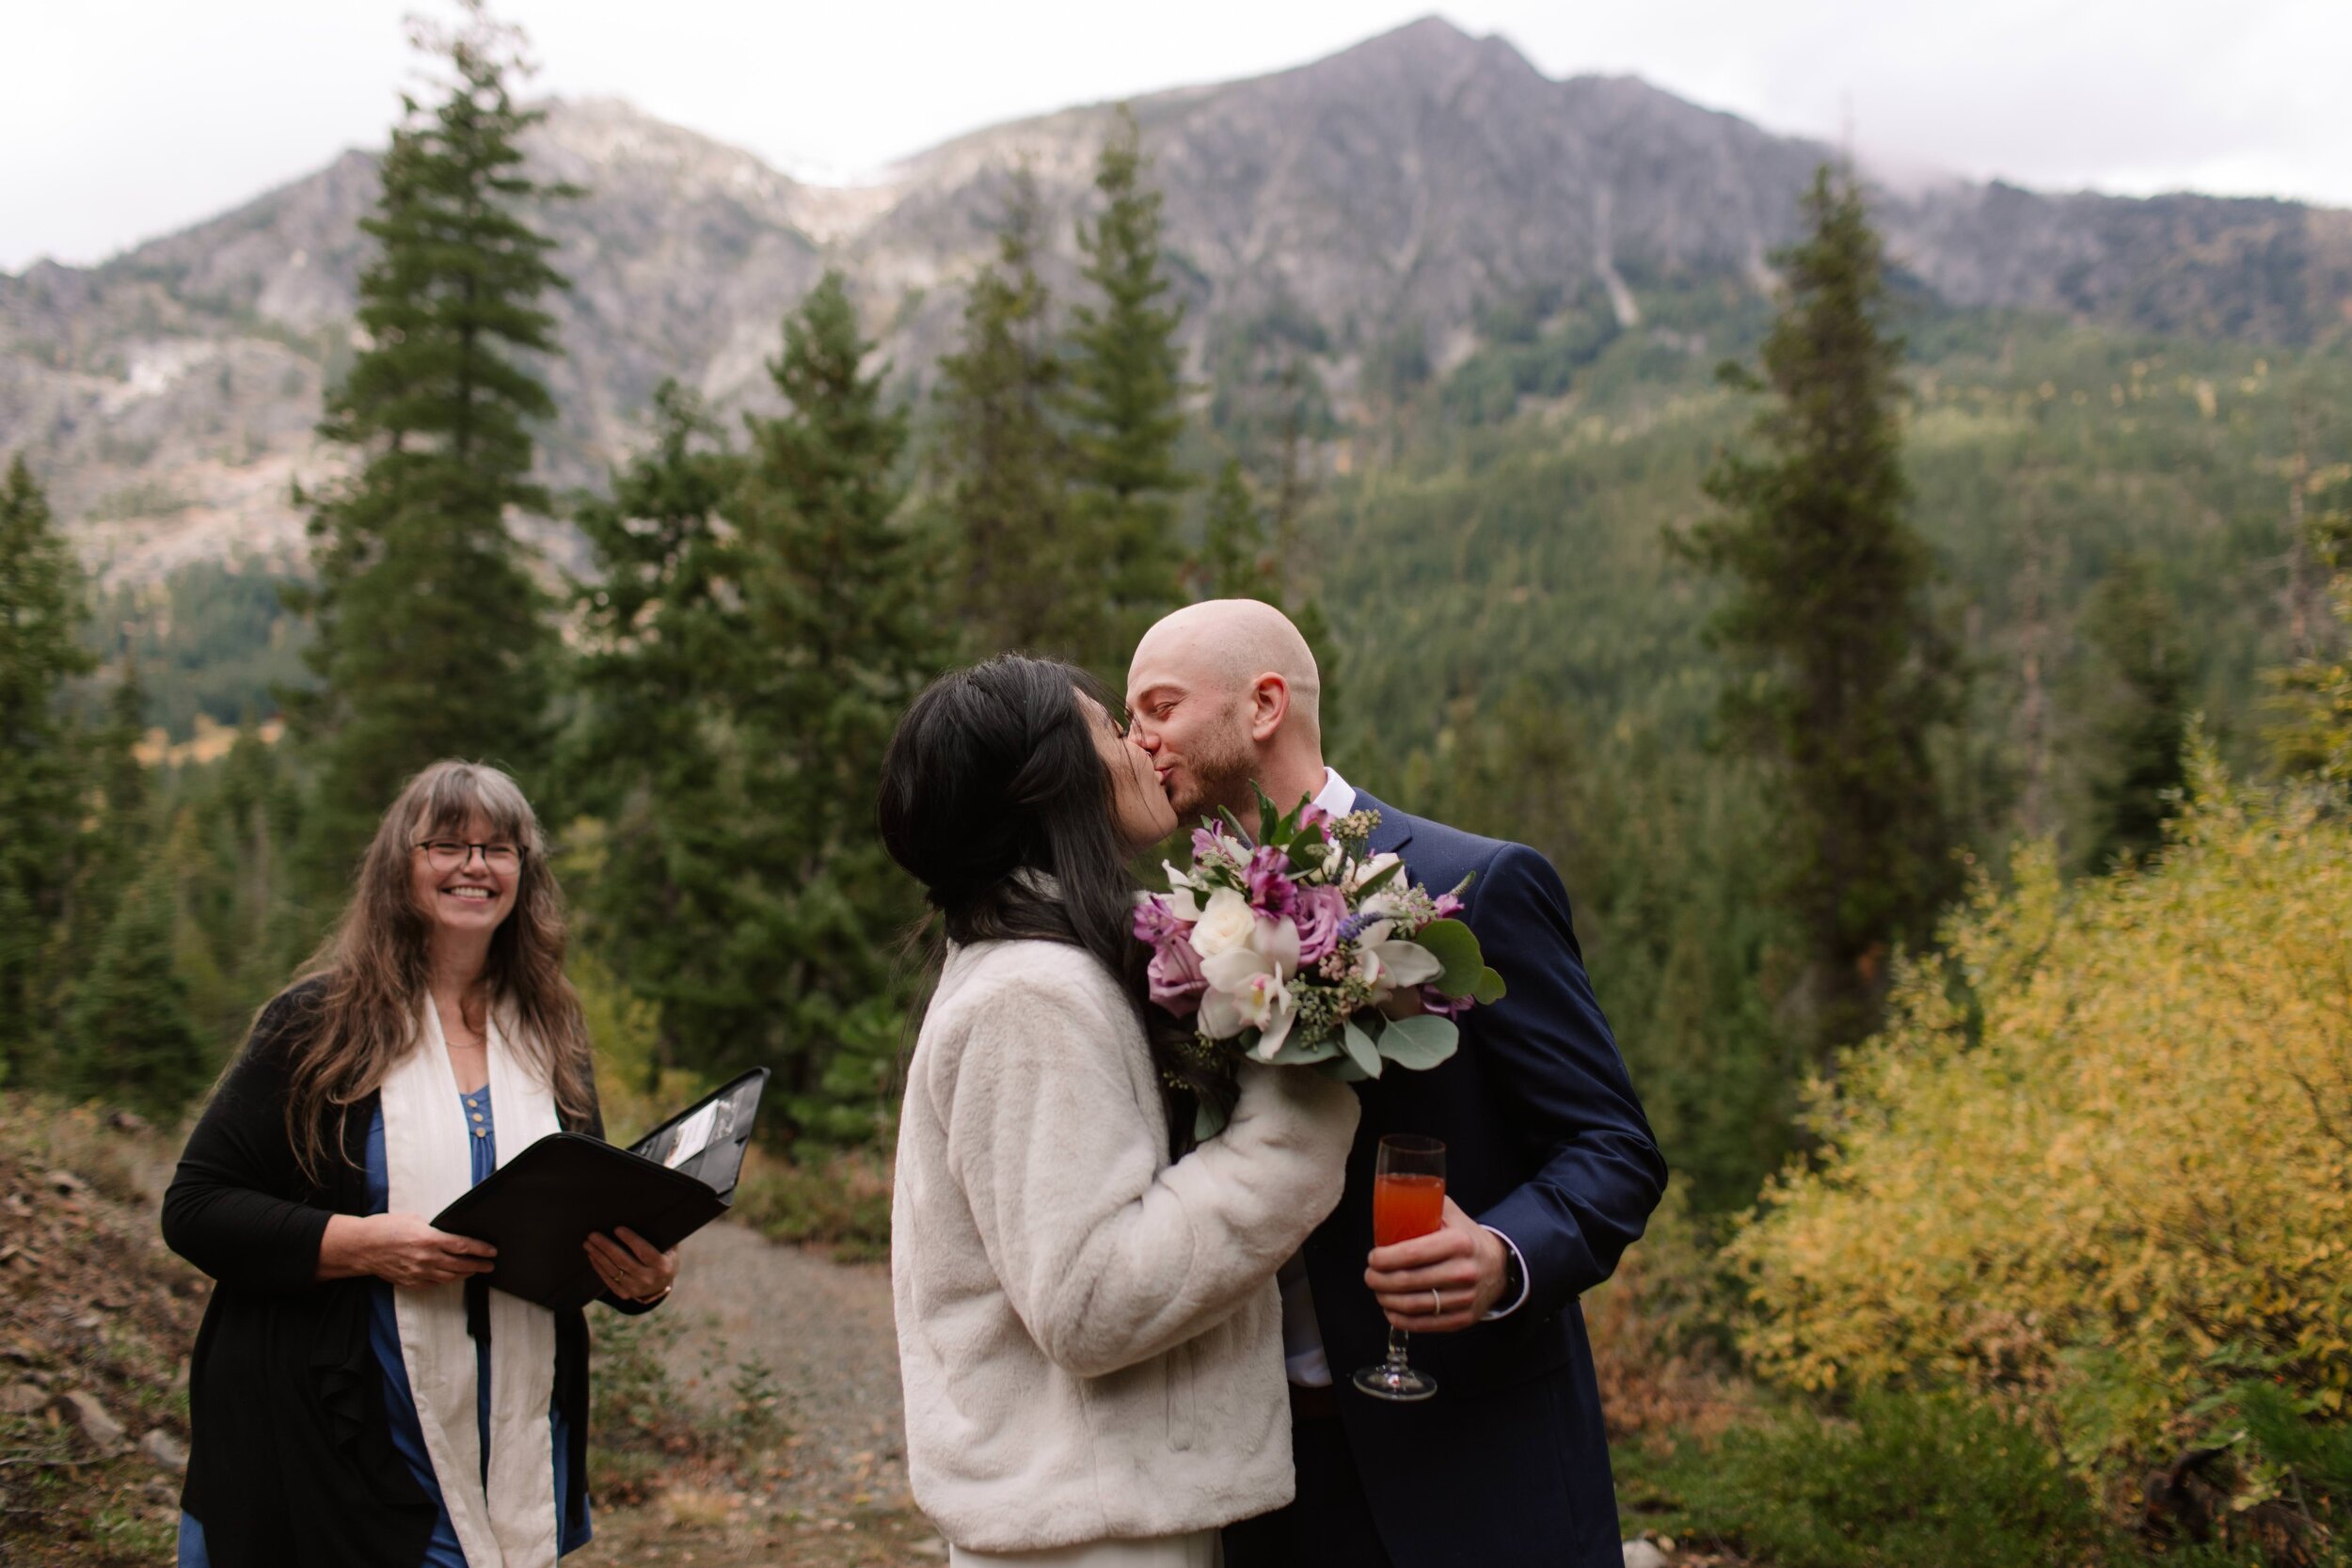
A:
<point x="1296" y="1053"/>
<point x="1489" y="990"/>
<point x="1207" y="1123"/>
<point x="1420" y="1043"/>
<point x="1346" y="1071"/>
<point x="1361" y="1050"/>
<point x="1452" y="943"/>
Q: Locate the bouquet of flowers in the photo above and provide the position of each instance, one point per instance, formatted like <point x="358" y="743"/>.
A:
<point x="1304" y="948"/>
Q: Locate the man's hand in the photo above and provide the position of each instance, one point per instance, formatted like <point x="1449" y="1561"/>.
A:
<point x="1461" y="1260"/>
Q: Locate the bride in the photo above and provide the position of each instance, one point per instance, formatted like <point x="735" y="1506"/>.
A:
<point x="1090" y="1333"/>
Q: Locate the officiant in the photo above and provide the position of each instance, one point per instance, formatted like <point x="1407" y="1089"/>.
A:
<point x="356" y="1395"/>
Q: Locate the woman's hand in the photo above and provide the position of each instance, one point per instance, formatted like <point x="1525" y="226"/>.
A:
<point x="401" y="1250"/>
<point x="631" y="1268"/>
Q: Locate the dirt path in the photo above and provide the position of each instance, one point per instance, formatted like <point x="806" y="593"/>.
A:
<point x="837" y="1495"/>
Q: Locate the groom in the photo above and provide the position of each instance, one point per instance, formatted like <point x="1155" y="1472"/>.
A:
<point x="1547" y="1154"/>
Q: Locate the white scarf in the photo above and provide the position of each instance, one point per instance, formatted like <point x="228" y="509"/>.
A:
<point x="510" y="1523"/>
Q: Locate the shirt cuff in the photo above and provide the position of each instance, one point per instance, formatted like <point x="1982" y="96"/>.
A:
<point x="1520" y="1300"/>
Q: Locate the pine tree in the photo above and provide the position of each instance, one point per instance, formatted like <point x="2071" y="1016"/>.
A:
<point x="1003" y="463"/>
<point x="134" y="1040"/>
<point x="2138" y="719"/>
<point x="115" y="839"/>
<point x="665" y="643"/>
<point x="1841" y="675"/>
<point x="431" y="637"/>
<point x="41" y="617"/>
<point x="1234" y="562"/>
<point x="841" y="605"/>
<point x="2311" y="702"/>
<point x="1125" y="402"/>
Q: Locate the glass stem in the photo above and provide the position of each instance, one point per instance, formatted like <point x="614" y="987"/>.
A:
<point x="1397" y="1349"/>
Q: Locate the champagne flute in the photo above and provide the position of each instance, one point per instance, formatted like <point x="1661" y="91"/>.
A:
<point x="1407" y="1200"/>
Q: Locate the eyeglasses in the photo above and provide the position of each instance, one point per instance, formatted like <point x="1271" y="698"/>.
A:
<point x="447" y="854"/>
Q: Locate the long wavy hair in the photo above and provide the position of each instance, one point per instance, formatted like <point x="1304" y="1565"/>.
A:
<point x="992" y="784"/>
<point x="375" y="968"/>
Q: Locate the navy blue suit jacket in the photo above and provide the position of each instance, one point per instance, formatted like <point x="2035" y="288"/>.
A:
<point x="1545" y="1142"/>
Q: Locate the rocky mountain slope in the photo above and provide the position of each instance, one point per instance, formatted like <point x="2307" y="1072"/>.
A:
<point x="1395" y="188"/>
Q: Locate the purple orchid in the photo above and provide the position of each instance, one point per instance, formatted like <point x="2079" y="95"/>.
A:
<point x="1157" y="925"/>
<point x="1440" y="1004"/>
<point x="1271" y="890"/>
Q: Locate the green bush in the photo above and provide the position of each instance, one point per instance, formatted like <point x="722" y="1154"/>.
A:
<point x="842" y="1200"/>
<point x="1907" y="1481"/>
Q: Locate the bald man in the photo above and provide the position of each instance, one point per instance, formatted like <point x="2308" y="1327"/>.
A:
<point x="1552" y="1172"/>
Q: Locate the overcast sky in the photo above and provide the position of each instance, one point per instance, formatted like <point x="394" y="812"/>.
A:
<point x="120" y="119"/>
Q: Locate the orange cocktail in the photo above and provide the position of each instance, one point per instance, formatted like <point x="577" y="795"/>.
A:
<point x="1404" y="1207"/>
<point x="1407" y="1201"/>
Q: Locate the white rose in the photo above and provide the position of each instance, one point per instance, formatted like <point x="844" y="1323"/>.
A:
<point x="1226" y="922"/>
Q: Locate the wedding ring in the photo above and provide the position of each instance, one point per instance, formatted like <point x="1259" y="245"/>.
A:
<point x="1436" y="1303"/>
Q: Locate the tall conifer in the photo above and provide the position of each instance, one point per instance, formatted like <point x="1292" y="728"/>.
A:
<point x="41" y="617"/>
<point x="115" y="837"/>
<point x="1840" y="677"/>
<point x="1125" y="402"/>
<point x="1003" y="464"/>
<point x="665" y="643"/>
<point x="2139" y="717"/>
<point x="134" y="1038"/>
<point x="431" y="637"/>
<point x="2311" y="702"/>
<point x="1234" y="562"/>
<point x="839" y="597"/>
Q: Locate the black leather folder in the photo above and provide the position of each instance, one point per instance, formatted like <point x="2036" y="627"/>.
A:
<point x="539" y="1208"/>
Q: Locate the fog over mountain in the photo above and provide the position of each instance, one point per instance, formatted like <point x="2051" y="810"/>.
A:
<point x="167" y="396"/>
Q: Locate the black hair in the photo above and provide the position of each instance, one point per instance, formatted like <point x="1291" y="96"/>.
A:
<point x="994" y="772"/>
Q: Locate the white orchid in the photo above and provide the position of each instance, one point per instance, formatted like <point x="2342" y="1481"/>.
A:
<point x="1366" y="870"/>
<point x="1389" y="963"/>
<point x="1246" y="990"/>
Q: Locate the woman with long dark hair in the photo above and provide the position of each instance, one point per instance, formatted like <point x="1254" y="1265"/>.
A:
<point x="1089" y="1334"/>
<point x="353" y="1398"/>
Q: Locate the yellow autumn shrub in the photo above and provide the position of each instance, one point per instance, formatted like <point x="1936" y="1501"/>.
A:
<point x="2100" y="1160"/>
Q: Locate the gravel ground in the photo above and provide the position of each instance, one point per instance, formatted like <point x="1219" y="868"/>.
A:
<point x="837" y="1495"/>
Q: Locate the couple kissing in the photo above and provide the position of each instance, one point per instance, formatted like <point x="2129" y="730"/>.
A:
<point x="1116" y="1341"/>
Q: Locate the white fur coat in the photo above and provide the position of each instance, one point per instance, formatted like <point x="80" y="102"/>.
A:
<point x="1089" y="1337"/>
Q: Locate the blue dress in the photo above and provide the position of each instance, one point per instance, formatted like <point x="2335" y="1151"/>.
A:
<point x="399" y="1405"/>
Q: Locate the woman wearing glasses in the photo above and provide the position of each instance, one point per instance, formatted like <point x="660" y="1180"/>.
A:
<point x="354" y="1398"/>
